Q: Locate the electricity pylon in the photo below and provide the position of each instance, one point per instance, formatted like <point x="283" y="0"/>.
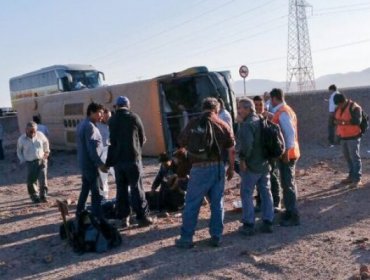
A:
<point x="299" y="59"/>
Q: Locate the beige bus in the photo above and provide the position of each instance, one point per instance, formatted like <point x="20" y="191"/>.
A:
<point x="60" y="94"/>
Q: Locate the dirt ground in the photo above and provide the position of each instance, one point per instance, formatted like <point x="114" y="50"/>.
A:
<point x="331" y="242"/>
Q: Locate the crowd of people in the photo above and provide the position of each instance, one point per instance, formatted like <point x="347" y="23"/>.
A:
<point x="210" y="150"/>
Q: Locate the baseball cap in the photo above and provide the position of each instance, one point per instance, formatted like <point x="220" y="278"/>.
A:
<point x="122" y="101"/>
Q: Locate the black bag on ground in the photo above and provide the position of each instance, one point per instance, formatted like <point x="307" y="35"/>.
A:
<point x="89" y="234"/>
<point x="202" y="143"/>
<point x="272" y="139"/>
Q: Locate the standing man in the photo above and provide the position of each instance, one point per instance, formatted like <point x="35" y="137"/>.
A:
<point x="1" y="142"/>
<point x="33" y="149"/>
<point x="274" y="172"/>
<point x="207" y="175"/>
<point x="254" y="169"/>
<point x="224" y="114"/>
<point x="104" y="131"/>
<point x="41" y="127"/>
<point x="331" y="125"/>
<point x="348" y="117"/>
<point x="127" y="139"/>
<point x="89" y="150"/>
<point x="284" y="116"/>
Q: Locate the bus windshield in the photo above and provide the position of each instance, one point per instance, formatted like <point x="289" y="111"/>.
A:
<point x="84" y="79"/>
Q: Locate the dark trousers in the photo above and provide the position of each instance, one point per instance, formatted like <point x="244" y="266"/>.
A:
<point x="128" y="174"/>
<point x="288" y="184"/>
<point x="36" y="178"/>
<point x="332" y="138"/>
<point x="275" y="185"/>
<point x="1" y="150"/>
<point x="90" y="183"/>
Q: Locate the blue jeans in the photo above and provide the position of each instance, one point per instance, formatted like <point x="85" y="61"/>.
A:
<point x="128" y="174"/>
<point x="90" y="183"/>
<point x="262" y="181"/>
<point x="204" y="181"/>
<point x="351" y="152"/>
<point x="288" y="184"/>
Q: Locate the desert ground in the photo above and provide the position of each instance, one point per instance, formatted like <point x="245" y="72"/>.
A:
<point x="331" y="242"/>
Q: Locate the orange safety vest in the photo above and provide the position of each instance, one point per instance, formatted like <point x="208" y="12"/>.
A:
<point x="293" y="153"/>
<point x="344" y="115"/>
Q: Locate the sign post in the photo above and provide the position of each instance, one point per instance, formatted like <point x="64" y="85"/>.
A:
<point x="243" y="72"/>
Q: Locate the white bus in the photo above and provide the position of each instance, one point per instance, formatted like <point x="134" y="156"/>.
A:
<point x="53" y="79"/>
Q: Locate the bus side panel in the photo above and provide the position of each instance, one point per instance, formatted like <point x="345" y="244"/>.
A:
<point x="26" y="109"/>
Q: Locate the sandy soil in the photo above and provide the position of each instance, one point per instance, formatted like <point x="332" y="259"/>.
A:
<point x="331" y="243"/>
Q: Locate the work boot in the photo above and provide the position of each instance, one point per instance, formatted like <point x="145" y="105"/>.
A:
<point x="145" y="222"/>
<point x="247" y="229"/>
<point x="293" y="220"/>
<point x="215" y="241"/>
<point x="266" y="227"/>
<point x="182" y="244"/>
<point x="35" y="199"/>
<point x="356" y="185"/>
<point x="43" y="199"/>
<point x="346" y="181"/>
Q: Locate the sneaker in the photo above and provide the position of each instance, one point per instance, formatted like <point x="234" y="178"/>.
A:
<point x="266" y="227"/>
<point x="277" y="210"/>
<point x="182" y="244"/>
<point x="346" y="181"/>
<point x="145" y="222"/>
<point x="247" y="229"/>
<point x="215" y="241"/>
<point x="293" y="220"/>
<point x="356" y="185"/>
<point x="43" y="199"/>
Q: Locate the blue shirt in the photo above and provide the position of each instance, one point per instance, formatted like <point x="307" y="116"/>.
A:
<point x="89" y="146"/>
<point x="286" y="126"/>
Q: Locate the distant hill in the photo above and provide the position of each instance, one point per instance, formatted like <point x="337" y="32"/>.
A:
<point x="342" y="80"/>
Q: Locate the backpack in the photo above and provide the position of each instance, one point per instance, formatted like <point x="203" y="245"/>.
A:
<point x="273" y="144"/>
<point x="364" y="125"/>
<point x="202" y="142"/>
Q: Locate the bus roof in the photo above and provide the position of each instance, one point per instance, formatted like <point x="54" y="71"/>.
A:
<point x="76" y="67"/>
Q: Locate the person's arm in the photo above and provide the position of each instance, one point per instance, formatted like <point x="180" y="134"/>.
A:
<point x="92" y="143"/>
<point x="158" y="179"/>
<point x="140" y="127"/>
<point x="246" y="140"/>
<point x="287" y="130"/>
<point x="45" y="145"/>
<point x="20" y="150"/>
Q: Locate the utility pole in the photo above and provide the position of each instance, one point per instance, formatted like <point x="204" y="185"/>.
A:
<point x="299" y="59"/>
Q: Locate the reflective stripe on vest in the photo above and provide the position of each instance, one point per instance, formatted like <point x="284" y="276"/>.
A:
<point x="293" y="153"/>
<point x="346" y="130"/>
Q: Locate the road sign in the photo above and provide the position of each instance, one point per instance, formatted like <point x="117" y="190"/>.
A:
<point x="243" y="71"/>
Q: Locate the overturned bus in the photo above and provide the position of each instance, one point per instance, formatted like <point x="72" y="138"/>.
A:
<point x="163" y="102"/>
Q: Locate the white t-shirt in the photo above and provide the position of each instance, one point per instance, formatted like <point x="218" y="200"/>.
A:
<point x="332" y="106"/>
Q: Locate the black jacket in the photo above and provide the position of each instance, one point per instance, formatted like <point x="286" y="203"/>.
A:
<point x="126" y="137"/>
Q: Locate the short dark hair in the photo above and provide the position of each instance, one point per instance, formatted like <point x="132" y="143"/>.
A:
<point x="257" y="98"/>
<point x="339" y="98"/>
<point x="93" y="108"/>
<point x="163" y="157"/>
<point x="277" y="93"/>
<point x="332" y="87"/>
<point x="209" y="103"/>
<point x="36" y="119"/>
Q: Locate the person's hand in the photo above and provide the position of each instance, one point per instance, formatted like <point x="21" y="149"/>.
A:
<point x="267" y="115"/>
<point x="285" y="157"/>
<point x="229" y="173"/>
<point x="243" y="166"/>
<point x="46" y="155"/>
<point x="103" y="168"/>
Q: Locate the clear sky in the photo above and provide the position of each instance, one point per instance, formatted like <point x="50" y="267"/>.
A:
<point x="131" y="40"/>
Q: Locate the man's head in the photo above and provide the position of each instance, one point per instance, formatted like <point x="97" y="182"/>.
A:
<point x="210" y="104"/>
<point x="259" y="104"/>
<point x="340" y="100"/>
<point x="31" y="129"/>
<point x="106" y="116"/>
<point x="245" y="107"/>
<point x="165" y="159"/>
<point x="332" y="88"/>
<point x="36" y="119"/>
<point x="266" y="96"/>
<point x="95" y="112"/>
<point x="122" y="102"/>
<point x="277" y="96"/>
